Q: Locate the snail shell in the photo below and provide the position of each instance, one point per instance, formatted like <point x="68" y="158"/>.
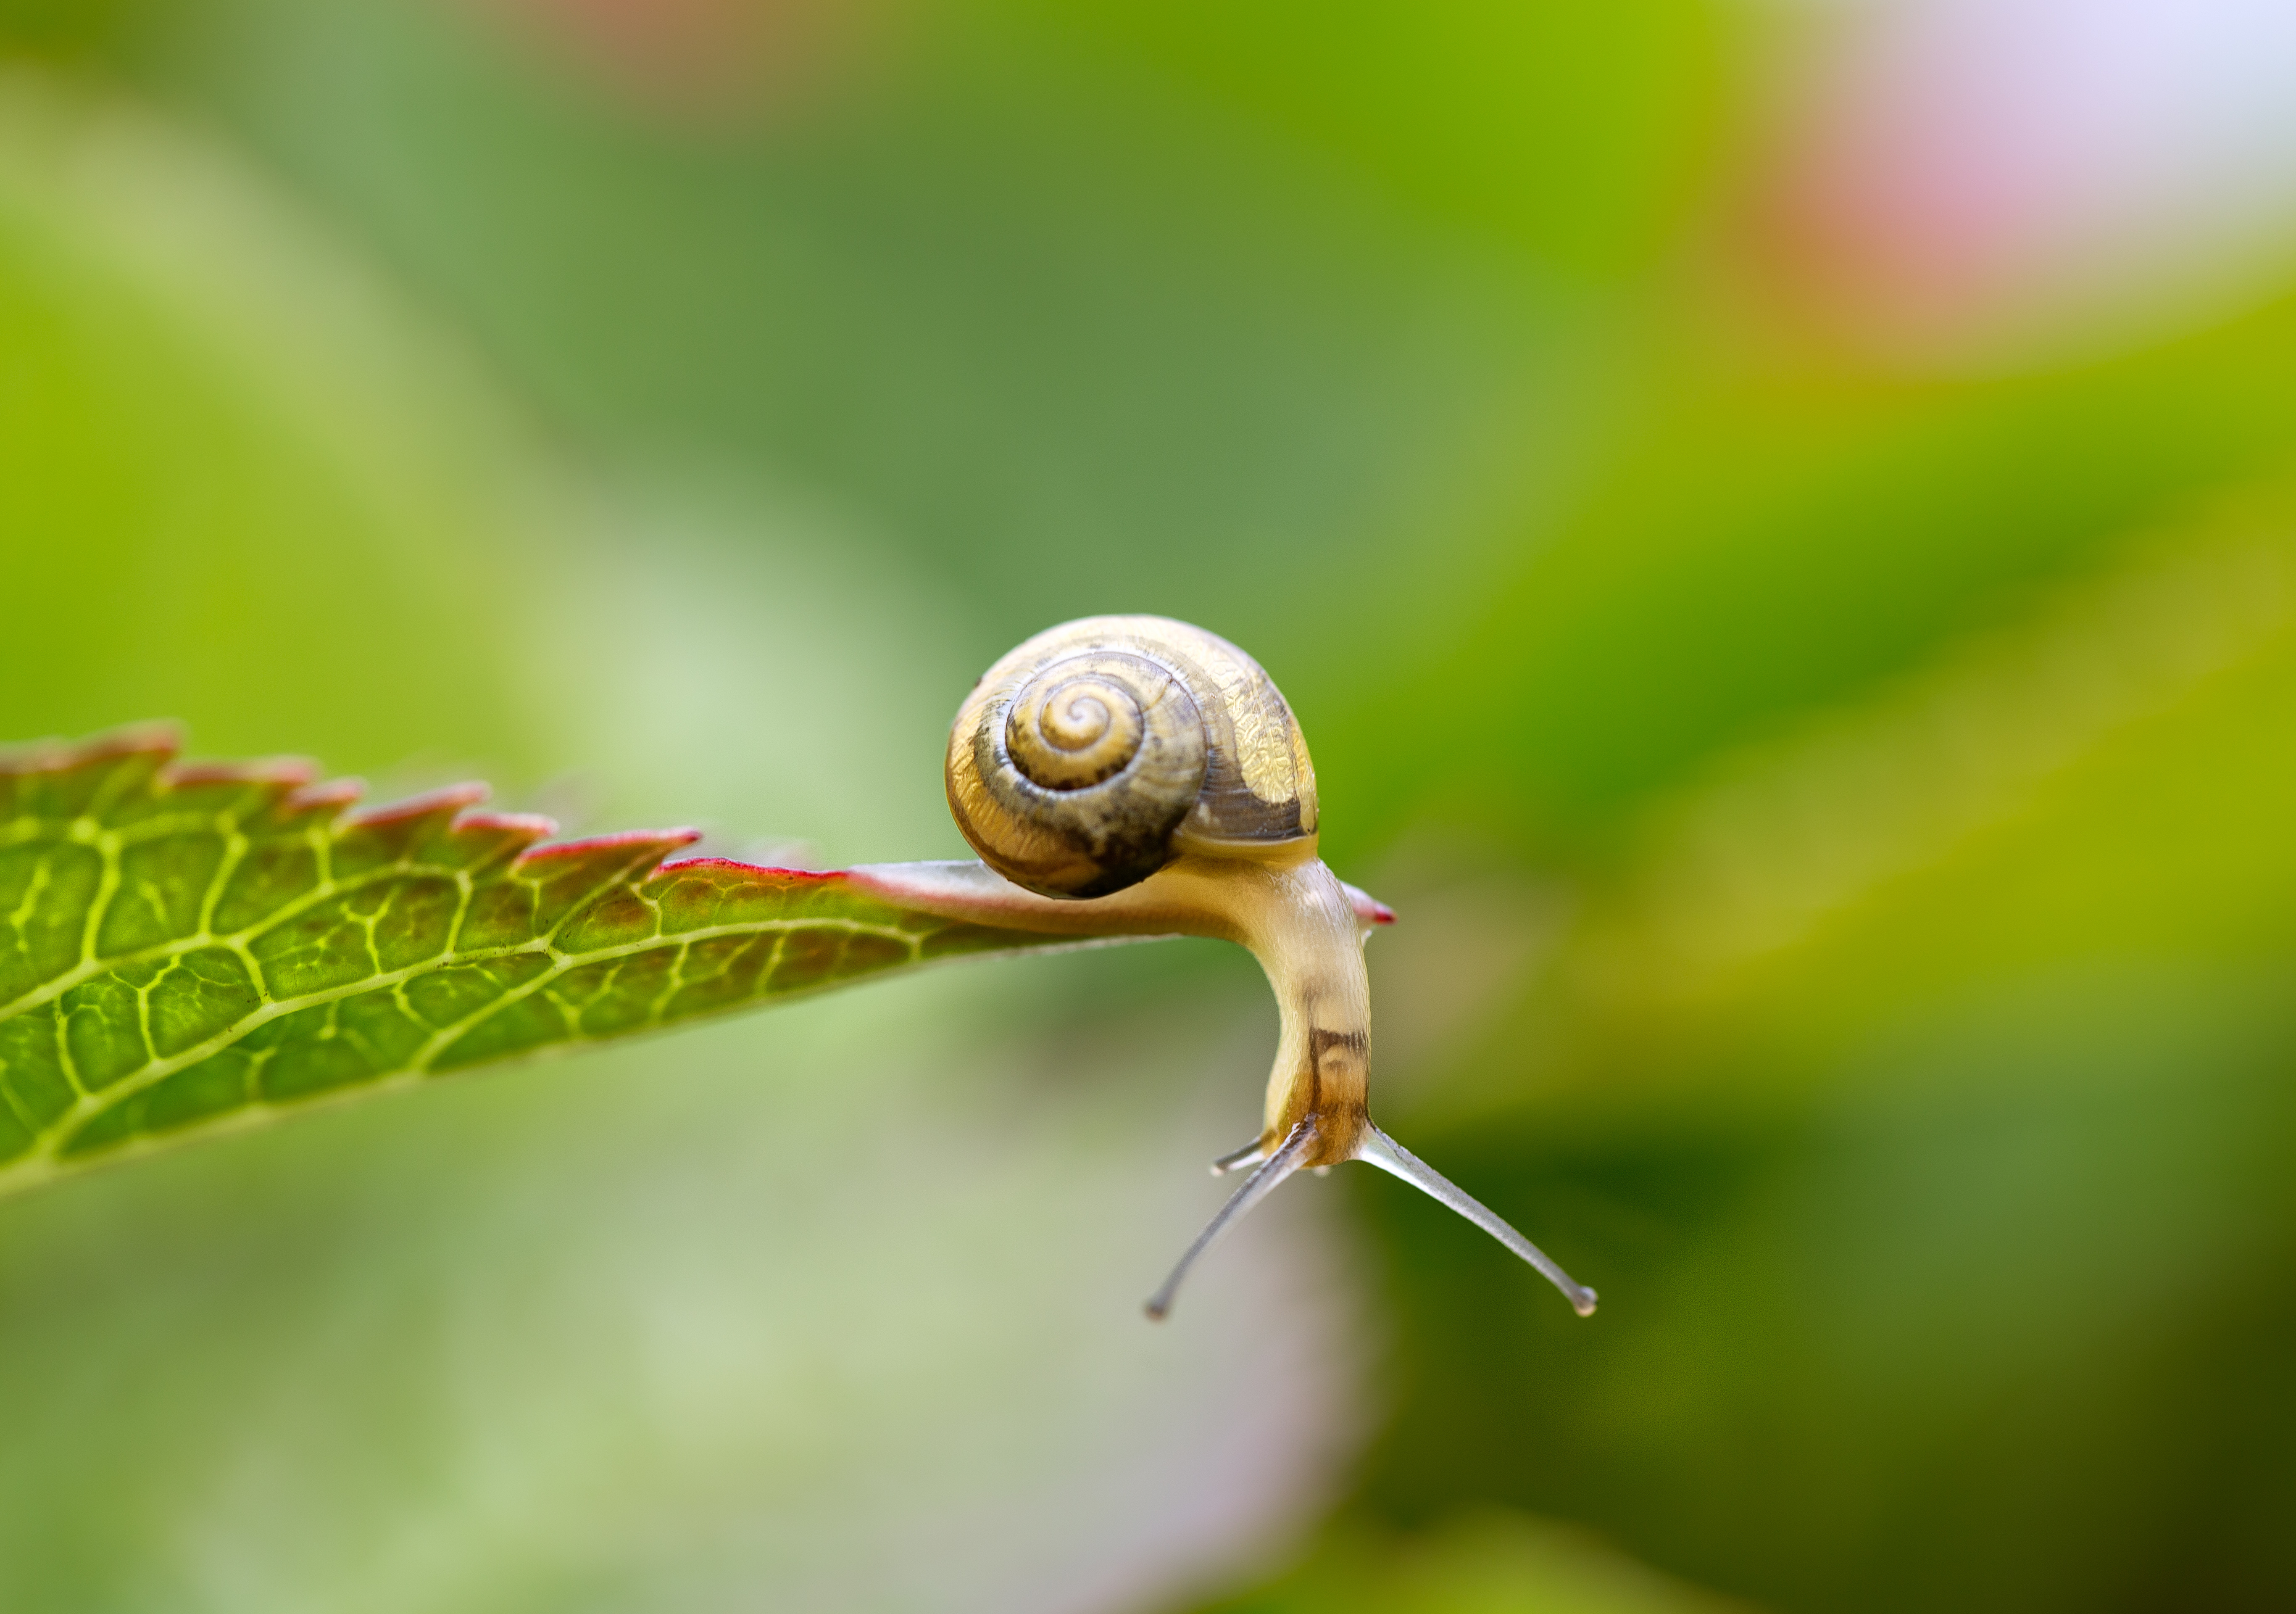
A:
<point x="1100" y="750"/>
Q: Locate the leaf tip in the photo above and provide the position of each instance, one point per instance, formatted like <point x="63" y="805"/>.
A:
<point x="1368" y="909"/>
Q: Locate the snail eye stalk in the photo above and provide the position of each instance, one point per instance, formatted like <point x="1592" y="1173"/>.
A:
<point x="1257" y="1186"/>
<point x="1372" y="1146"/>
<point x="1375" y="1147"/>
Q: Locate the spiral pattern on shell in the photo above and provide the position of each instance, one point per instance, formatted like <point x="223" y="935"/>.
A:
<point x="1094" y="753"/>
<point x="1073" y="727"/>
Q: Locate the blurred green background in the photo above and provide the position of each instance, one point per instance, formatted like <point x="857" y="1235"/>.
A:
<point x="1776" y="520"/>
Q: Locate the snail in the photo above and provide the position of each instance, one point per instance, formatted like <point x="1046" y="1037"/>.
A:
<point x="1137" y="776"/>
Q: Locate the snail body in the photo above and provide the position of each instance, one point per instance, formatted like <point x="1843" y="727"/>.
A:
<point x="1139" y="776"/>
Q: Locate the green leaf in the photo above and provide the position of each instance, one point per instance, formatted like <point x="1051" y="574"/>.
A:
<point x="184" y="947"/>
